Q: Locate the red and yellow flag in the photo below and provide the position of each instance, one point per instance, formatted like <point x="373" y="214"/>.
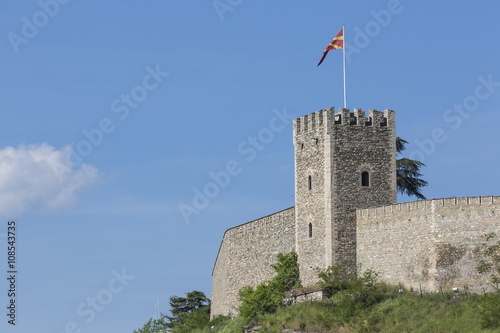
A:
<point x="337" y="43"/>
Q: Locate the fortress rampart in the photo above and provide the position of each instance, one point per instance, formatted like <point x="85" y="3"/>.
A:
<point x="429" y="244"/>
<point x="345" y="163"/>
<point x="245" y="256"/>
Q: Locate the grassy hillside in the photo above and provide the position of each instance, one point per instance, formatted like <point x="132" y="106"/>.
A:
<point x="359" y="303"/>
<point x="387" y="311"/>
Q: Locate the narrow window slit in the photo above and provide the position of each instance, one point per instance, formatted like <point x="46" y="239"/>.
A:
<point x="365" y="178"/>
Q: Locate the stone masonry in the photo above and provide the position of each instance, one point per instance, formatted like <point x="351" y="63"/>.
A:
<point x="428" y="244"/>
<point x="245" y="256"/>
<point x="345" y="163"/>
<point x="331" y="153"/>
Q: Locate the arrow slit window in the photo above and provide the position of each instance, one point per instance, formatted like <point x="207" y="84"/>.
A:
<point x="365" y="178"/>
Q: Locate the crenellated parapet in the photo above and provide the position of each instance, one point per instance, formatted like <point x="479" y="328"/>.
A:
<point x="312" y="121"/>
<point x="423" y="205"/>
<point x="327" y="118"/>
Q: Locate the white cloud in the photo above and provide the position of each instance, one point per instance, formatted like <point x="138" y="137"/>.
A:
<point x="39" y="176"/>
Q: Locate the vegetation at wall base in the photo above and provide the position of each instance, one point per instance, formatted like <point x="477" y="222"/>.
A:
<point x="490" y="265"/>
<point x="358" y="303"/>
<point x="267" y="297"/>
<point x="394" y="312"/>
<point x="390" y="312"/>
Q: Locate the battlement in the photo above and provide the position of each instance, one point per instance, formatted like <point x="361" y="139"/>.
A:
<point x="423" y="205"/>
<point x="328" y="118"/>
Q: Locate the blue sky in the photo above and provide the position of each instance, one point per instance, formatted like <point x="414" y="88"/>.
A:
<point x="114" y="114"/>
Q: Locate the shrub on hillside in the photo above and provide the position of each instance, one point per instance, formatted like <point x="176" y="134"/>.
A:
<point x="350" y="292"/>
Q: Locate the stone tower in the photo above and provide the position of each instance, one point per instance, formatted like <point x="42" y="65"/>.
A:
<point x="343" y="161"/>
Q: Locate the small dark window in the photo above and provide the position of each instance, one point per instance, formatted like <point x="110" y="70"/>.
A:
<point x="309" y="183"/>
<point x="301" y="146"/>
<point x="310" y="229"/>
<point x="365" y="178"/>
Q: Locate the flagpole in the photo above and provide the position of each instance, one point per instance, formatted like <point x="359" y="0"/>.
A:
<point x="345" y="95"/>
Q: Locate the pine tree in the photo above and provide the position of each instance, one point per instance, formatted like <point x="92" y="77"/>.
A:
<point x="408" y="173"/>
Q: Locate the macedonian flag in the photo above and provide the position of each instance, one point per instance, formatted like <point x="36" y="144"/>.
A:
<point x="337" y="43"/>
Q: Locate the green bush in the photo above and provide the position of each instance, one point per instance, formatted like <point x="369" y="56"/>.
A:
<point x="490" y="310"/>
<point x="263" y="299"/>
<point x="351" y="293"/>
<point x="335" y="278"/>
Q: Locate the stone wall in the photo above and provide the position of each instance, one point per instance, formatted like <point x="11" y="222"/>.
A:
<point x="429" y="244"/>
<point x="245" y="256"/>
<point x="311" y="195"/>
<point x="307" y="296"/>
<point x="360" y="144"/>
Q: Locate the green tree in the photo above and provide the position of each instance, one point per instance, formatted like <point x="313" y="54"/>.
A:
<point x="188" y="313"/>
<point x="408" y="173"/>
<point x="153" y="326"/>
<point x="267" y="296"/>
<point x="287" y="272"/>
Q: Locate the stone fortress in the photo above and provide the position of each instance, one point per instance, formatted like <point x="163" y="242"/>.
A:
<point x="346" y="212"/>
